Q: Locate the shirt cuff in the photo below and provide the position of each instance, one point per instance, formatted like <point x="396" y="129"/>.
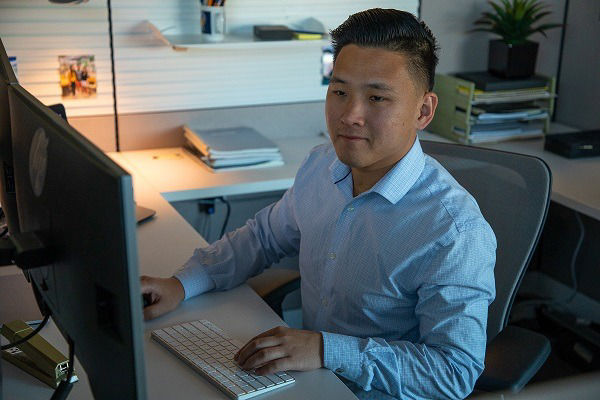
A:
<point x="342" y="355"/>
<point x="194" y="279"/>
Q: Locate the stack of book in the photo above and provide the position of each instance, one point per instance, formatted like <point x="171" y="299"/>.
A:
<point x="505" y="108"/>
<point x="232" y="148"/>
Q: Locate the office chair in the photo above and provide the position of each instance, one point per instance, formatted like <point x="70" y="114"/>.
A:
<point x="513" y="193"/>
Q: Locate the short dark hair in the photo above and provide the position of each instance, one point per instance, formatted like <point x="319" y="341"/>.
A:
<point x="393" y="30"/>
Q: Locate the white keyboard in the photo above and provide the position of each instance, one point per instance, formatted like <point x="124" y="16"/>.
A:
<point x="208" y="350"/>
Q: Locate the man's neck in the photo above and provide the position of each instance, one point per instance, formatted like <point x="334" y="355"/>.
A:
<point x="365" y="180"/>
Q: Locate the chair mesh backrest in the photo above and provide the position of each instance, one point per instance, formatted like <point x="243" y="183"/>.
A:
<point x="513" y="193"/>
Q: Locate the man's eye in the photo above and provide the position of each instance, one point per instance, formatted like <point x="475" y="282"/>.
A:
<point x="376" y="99"/>
<point x="339" y="93"/>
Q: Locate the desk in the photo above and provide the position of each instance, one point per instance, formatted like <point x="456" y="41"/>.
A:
<point x="165" y="243"/>
<point x="180" y="176"/>
<point x="172" y="174"/>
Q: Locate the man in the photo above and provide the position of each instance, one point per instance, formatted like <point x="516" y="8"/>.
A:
<point x="395" y="257"/>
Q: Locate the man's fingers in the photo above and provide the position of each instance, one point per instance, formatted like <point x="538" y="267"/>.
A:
<point x="255" y="345"/>
<point x="281" y="364"/>
<point x="147" y="284"/>
<point x="271" y="332"/>
<point x="152" y="312"/>
<point x="263" y="356"/>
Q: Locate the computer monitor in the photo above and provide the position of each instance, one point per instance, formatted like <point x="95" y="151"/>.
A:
<point x="79" y="203"/>
<point x="6" y="71"/>
<point x="7" y="190"/>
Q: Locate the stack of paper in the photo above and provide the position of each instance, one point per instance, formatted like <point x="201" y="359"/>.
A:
<point x="482" y="133"/>
<point x="233" y="148"/>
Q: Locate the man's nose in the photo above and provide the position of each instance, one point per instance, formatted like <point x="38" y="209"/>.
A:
<point x="354" y="113"/>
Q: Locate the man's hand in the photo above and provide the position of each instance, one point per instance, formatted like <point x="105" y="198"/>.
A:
<point x="164" y="294"/>
<point x="282" y="349"/>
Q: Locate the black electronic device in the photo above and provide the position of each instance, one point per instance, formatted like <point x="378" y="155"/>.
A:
<point x="574" y="145"/>
<point x="7" y="186"/>
<point x="487" y="82"/>
<point x="76" y="210"/>
<point x="59" y="109"/>
<point x="273" y="32"/>
<point x="141" y="213"/>
<point x="6" y="71"/>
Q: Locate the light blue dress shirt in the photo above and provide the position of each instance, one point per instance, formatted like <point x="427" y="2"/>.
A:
<point x="397" y="279"/>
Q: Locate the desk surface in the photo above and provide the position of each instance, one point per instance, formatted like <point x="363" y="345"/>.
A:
<point x="178" y="175"/>
<point x="165" y="243"/>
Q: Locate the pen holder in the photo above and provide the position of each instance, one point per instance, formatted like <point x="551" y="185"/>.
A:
<point x="212" y="22"/>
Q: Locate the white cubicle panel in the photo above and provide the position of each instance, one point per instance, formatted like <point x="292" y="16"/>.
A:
<point x="37" y="32"/>
<point x="150" y="76"/>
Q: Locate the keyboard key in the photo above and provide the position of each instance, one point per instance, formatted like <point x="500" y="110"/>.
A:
<point x="274" y="378"/>
<point x="265" y="381"/>
<point x="254" y="383"/>
<point x="237" y="390"/>
<point x="285" y="377"/>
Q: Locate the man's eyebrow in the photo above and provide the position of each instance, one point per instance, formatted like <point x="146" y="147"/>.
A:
<point x="335" y="79"/>
<point x="372" y="85"/>
<point x="379" y="86"/>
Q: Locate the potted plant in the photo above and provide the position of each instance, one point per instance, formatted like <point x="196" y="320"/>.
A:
<point x="514" y="21"/>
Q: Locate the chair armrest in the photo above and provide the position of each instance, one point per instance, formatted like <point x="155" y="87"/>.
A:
<point x="512" y="358"/>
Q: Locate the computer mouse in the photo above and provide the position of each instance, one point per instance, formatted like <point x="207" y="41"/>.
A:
<point x="146" y="299"/>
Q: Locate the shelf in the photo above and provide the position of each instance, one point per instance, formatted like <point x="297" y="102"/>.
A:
<point x="182" y="42"/>
<point x="454" y="119"/>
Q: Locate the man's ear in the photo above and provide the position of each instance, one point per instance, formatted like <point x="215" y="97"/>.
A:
<point x="428" y="106"/>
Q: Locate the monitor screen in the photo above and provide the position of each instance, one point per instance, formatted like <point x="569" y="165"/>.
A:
<point x="79" y="204"/>
<point x="7" y="188"/>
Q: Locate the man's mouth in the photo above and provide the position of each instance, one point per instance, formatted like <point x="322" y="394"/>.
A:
<point x="352" y="138"/>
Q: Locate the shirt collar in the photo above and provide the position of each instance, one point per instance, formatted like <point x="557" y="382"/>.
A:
<point x="398" y="180"/>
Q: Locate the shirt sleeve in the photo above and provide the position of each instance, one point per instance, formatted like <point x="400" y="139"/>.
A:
<point x="454" y="293"/>
<point x="271" y="235"/>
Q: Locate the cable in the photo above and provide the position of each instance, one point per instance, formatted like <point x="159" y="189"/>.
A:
<point x="65" y="386"/>
<point x="4" y="230"/>
<point x="573" y="270"/>
<point x="112" y="69"/>
<point x="560" y="55"/>
<point x="574" y="259"/>
<point x="224" y="201"/>
<point x="26" y="338"/>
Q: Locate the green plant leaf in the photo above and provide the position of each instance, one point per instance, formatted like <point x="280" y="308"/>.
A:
<point x="514" y="20"/>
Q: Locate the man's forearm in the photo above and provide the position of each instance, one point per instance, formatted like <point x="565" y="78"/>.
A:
<point x="401" y="369"/>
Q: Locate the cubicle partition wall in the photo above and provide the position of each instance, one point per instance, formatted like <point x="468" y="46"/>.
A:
<point x="151" y="76"/>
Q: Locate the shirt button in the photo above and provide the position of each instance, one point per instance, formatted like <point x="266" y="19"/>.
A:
<point x="332" y="256"/>
<point x="339" y="370"/>
<point x="350" y="209"/>
<point x="324" y="302"/>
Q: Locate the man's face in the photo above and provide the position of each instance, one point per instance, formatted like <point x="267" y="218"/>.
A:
<point x="373" y="108"/>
